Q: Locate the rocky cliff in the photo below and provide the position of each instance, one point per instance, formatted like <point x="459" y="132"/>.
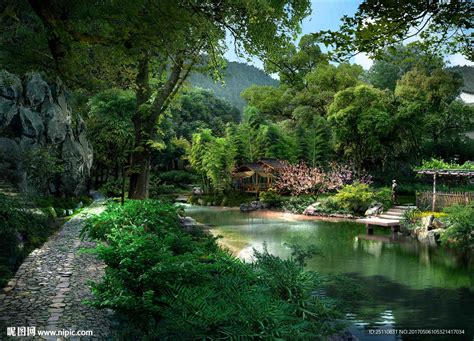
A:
<point x="34" y="113"/>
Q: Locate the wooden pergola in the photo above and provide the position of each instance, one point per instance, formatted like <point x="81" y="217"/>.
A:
<point x="445" y="172"/>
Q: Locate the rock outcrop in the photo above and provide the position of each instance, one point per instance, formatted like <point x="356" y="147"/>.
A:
<point x="34" y="113"/>
<point x="429" y="231"/>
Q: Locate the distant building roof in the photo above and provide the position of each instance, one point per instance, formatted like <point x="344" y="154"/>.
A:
<point x="273" y="163"/>
<point x="263" y="167"/>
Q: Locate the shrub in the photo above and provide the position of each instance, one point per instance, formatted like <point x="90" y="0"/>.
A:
<point x="383" y="196"/>
<point x="460" y="231"/>
<point x="271" y="198"/>
<point x="297" y="204"/>
<point x="41" y="166"/>
<point x="410" y="218"/>
<point x="174" y="285"/>
<point x="20" y="232"/>
<point x="355" y="198"/>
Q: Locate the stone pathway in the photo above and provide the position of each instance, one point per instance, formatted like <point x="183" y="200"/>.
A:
<point x="50" y="287"/>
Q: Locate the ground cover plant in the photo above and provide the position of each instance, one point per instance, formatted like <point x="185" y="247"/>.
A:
<point x="169" y="283"/>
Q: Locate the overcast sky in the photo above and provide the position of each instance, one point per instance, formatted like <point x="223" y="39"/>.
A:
<point x="326" y="15"/>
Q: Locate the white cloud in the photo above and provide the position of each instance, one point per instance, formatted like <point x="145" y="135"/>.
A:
<point x="458" y="59"/>
<point x="363" y="60"/>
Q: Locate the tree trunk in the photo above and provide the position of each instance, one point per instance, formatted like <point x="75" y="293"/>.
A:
<point x="144" y="123"/>
<point x="140" y="156"/>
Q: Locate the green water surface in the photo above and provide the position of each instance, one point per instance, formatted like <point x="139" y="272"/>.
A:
<point x="388" y="282"/>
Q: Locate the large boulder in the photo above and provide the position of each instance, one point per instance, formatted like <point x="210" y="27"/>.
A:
<point x="312" y="209"/>
<point x="374" y="210"/>
<point x="429" y="231"/>
<point x="253" y="206"/>
<point x="34" y="113"/>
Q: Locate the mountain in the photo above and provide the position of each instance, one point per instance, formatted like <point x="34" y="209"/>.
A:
<point x="467" y="73"/>
<point x="237" y="77"/>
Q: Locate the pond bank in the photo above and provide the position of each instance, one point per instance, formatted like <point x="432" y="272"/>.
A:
<point x="388" y="282"/>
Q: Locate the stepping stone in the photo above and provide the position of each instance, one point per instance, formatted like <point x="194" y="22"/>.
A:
<point x="58" y="305"/>
<point x="6" y="290"/>
<point x="65" y="274"/>
<point x="63" y="285"/>
<point x="55" y="310"/>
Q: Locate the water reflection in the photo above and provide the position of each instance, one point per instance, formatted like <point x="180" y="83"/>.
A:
<point x="389" y="282"/>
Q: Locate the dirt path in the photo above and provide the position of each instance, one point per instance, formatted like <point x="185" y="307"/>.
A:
<point x="50" y="287"/>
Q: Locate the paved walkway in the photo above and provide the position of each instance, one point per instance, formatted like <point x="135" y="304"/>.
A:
<point x="50" y="287"/>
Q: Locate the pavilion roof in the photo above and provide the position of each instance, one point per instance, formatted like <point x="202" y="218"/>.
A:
<point x="449" y="172"/>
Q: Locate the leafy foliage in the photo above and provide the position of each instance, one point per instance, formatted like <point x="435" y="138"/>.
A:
<point x="460" y="230"/>
<point x="270" y="198"/>
<point x="357" y="198"/>
<point x="172" y="284"/>
<point x="42" y="167"/>
<point x="380" y="24"/>
<point x="20" y="232"/>
<point x="440" y="164"/>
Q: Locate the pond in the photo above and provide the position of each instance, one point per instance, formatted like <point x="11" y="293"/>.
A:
<point x="388" y="282"/>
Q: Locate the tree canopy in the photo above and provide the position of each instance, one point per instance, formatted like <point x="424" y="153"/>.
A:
<point x="381" y="24"/>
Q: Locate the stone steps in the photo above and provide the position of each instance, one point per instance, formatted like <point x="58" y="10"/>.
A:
<point x="391" y="218"/>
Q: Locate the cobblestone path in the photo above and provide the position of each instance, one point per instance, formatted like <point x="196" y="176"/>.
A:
<point x="50" y="287"/>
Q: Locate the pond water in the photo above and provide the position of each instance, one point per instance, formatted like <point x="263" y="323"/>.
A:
<point x="388" y="282"/>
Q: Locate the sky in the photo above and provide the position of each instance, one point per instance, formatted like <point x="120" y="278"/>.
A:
<point x="326" y="15"/>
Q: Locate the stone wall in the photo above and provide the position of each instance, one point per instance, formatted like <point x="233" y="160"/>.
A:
<point x="34" y="112"/>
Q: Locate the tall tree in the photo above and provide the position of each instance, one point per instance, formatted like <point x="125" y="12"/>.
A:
<point x="362" y="124"/>
<point x="396" y="61"/>
<point x="159" y="42"/>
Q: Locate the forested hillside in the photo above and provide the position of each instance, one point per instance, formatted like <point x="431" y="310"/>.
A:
<point x="467" y="73"/>
<point x="237" y="77"/>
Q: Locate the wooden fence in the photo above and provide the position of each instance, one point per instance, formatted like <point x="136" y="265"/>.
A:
<point x="424" y="200"/>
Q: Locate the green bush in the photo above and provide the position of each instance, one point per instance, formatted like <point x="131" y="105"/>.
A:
<point x="271" y="198"/>
<point x="383" y="196"/>
<point x="297" y="204"/>
<point x="460" y="231"/>
<point x="20" y="232"/>
<point x="354" y="198"/>
<point x="357" y="198"/>
<point x="171" y="284"/>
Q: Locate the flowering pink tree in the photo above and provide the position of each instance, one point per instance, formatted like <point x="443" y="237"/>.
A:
<point x="300" y="179"/>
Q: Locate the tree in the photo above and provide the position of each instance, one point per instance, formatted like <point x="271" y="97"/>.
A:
<point x="396" y="61"/>
<point x="159" y="43"/>
<point x="362" y="124"/>
<point x="379" y="24"/>
<point x="268" y="100"/>
<point x="428" y="103"/>
<point x="213" y="159"/>
<point x="293" y="63"/>
<point x="197" y="108"/>
<point x="110" y="130"/>
<point x="315" y="142"/>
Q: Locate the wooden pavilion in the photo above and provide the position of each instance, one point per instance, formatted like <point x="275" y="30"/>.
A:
<point x="257" y="177"/>
<point x="439" y="199"/>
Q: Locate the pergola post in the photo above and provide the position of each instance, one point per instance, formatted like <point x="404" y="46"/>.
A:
<point x="434" y="193"/>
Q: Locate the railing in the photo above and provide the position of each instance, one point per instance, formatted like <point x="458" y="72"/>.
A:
<point x="424" y="200"/>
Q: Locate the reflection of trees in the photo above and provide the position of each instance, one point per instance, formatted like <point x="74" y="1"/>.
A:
<point x="411" y="308"/>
